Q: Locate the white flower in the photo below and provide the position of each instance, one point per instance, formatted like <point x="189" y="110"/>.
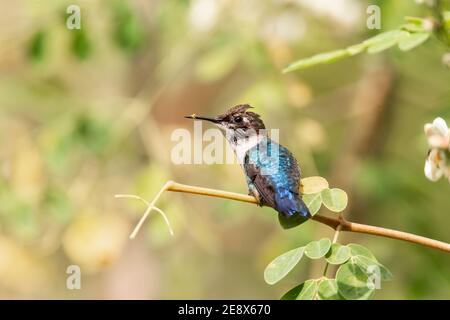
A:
<point x="438" y="136"/>
<point x="433" y="170"/>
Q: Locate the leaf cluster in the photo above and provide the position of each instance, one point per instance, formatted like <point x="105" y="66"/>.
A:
<point x="358" y="276"/>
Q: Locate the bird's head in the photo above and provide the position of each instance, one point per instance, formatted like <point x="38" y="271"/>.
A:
<point x="236" y="119"/>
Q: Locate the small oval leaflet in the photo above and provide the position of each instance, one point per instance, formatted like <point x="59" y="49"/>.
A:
<point x="338" y="254"/>
<point x="371" y="267"/>
<point x="328" y="290"/>
<point x="313" y="202"/>
<point x="352" y="282"/>
<point x="305" y="291"/>
<point x="310" y="185"/>
<point x="334" y="199"/>
<point x="384" y="37"/>
<point x="282" y="265"/>
<point x="317" y="249"/>
<point x="413" y="40"/>
<point x="357" y="249"/>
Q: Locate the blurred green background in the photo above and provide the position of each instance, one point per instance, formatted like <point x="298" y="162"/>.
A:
<point x="86" y="114"/>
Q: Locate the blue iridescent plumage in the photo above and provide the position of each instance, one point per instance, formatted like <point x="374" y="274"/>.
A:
<point x="273" y="172"/>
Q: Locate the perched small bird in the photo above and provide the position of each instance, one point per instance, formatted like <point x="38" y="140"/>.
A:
<point x="272" y="172"/>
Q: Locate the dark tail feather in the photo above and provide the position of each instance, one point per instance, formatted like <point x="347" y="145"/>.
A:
<point x="300" y="216"/>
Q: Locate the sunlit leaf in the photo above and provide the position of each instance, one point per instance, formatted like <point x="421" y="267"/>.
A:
<point x="338" y="254"/>
<point x="312" y="185"/>
<point x="373" y="267"/>
<point x="334" y="199"/>
<point x="318" y="249"/>
<point x="353" y="282"/>
<point x="384" y="37"/>
<point x="313" y="202"/>
<point x="320" y="58"/>
<point x="387" y="41"/>
<point x="446" y="16"/>
<point x="282" y="265"/>
<point x="381" y="46"/>
<point x="413" y="40"/>
<point x="357" y="48"/>
<point x="328" y="290"/>
<point x="304" y="291"/>
<point x="413" y="27"/>
<point x="414" y="20"/>
<point x="357" y="249"/>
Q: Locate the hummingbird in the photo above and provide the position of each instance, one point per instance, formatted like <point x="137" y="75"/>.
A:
<point x="272" y="172"/>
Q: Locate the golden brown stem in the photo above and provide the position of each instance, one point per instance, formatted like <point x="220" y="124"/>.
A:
<point x="329" y="221"/>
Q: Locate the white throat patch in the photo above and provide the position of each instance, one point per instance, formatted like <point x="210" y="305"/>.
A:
<point x="243" y="145"/>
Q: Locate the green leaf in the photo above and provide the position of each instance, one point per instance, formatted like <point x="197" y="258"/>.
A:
<point x="353" y="282"/>
<point x="384" y="37"/>
<point x="320" y="58"/>
<point x="413" y="27"/>
<point x="282" y="265"/>
<point x="357" y="48"/>
<point x="293" y="293"/>
<point x="357" y="249"/>
<point x="81" y="46"/>
<point x="413" y="40"/>
<point x="373" y="267"/>
<point x="387" y="42"/>
<point x="291" y="221"/>
<point x="414" y="20"/>
<point x="338" y="254"/>
<point x="317" y="249"/>
<point x="381" y="46"/>
<point x="36" y="47"/>
<point x="328" y="290"/>
<point x="128" y="32"/>
<point x="313" y="202"/>
<point x="446" y="16"/>
<point x="311" y="185"/>
<point x="334" y="199"/>
<point x="305" y="291"/>
<point x="92" y="132"/>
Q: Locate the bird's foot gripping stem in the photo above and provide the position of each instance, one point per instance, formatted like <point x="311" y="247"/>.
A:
<point x="254" y="193"/>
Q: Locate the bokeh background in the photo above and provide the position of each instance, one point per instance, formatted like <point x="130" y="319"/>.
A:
<point x="86" y="114"/>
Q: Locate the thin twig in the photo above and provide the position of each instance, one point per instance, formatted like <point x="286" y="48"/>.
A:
<point x="150" y="207"/>
<point x="334" y="223"/>
<point x="335" y="238"/>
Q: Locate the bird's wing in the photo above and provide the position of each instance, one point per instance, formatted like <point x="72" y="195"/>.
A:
<point x="262" y="183"/>
<point x="281" y="188"/>
<point x="292" y="177"/>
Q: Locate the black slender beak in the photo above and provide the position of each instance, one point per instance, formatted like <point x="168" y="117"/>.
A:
<point x="195" y="117"/>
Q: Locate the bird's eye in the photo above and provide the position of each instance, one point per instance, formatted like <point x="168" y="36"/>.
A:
<point x="238" y="119"/>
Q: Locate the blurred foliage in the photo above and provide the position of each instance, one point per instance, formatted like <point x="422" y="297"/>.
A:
<point x="81" y="46"/>
<point x="128" y="32"/>
<point x="94" y="118"/>
<point x="36" y="48"/>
